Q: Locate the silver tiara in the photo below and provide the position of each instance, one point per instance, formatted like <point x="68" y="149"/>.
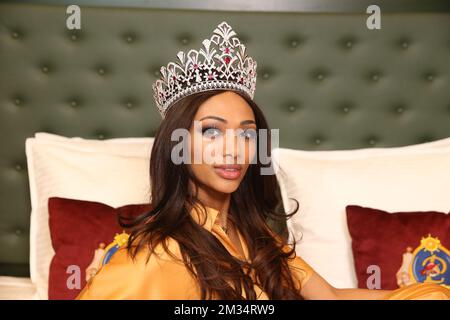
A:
<point x="221" y="64"/>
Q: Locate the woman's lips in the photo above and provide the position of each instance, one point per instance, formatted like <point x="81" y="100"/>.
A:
<point x="228" y="171"/>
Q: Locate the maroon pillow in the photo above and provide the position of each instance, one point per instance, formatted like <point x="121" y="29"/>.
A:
<point x="381" y="238"/>
<point x="77" y="228"/>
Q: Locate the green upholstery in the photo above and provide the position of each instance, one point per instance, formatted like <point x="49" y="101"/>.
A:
<point x="324" y="79"/>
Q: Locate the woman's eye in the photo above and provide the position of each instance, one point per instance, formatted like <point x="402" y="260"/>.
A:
<point x="210" y="132"/>
<point x="249" y="134"/>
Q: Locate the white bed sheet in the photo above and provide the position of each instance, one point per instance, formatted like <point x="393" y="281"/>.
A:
<point x="16" y="288"/>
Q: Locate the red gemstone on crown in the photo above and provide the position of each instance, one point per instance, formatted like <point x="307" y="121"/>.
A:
<point x="227" y="60"/>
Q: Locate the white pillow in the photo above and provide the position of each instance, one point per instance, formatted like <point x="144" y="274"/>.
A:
<point x="114" y="172"/>
<point x="412" y="179"/>
<point x="17" y="288"/>
<point x="335" y="154"/>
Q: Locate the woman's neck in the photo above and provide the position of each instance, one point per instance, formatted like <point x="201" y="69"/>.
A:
<point x="218" y="201"/>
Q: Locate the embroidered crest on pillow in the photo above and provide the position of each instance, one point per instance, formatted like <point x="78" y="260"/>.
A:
<point x="428" y="263"/>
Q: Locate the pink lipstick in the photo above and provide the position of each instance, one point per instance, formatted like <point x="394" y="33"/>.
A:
<point x="228" y="171"/>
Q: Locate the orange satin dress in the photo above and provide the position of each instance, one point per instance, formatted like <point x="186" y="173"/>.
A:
<point x="165" y="278"/>
<point x="419" y="291"/>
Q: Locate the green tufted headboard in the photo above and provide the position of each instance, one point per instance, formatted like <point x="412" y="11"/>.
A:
<point x="324" y="79"/>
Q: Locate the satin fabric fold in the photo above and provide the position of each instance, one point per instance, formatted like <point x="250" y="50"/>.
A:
<point x="419" y="291"/>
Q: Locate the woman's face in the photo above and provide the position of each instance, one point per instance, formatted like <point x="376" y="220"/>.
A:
<point x="222" y="157"/>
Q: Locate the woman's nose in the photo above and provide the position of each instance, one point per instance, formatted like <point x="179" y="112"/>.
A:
<point x="233" y="145"/>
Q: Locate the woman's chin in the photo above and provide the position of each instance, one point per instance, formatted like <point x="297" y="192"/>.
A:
<point x="226" y="186"/>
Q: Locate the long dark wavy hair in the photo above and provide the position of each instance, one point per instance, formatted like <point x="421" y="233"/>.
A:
<point x="256" y="201"/>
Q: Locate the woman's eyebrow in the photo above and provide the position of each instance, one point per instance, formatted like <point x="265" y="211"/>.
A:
<point x="214" y="117"/>
<point x="225" y="121"/>
<point x="248" y="122"/>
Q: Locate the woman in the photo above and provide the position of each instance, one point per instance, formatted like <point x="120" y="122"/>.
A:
<point x="207" y="236"/>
